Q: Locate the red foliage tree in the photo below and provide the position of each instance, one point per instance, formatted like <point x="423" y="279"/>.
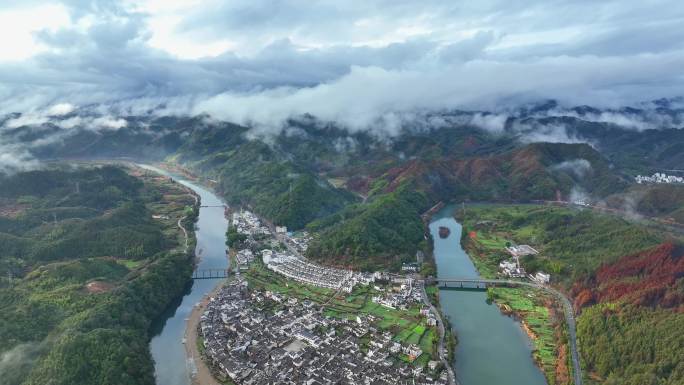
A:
<point x="648" y="278"/>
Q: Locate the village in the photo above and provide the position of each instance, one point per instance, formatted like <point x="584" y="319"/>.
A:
<point x="256" y="337"/>
<point x="290" y="263"/>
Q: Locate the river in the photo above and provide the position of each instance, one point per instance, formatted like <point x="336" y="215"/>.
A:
<point x="492" y="348"/>
<point x="171" y="365"/>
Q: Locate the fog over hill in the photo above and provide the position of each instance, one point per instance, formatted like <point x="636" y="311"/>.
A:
<point x="100" y="130"/>
<point x="365" y="128"/>
<point x="545" y="71"/>
<point x="259" y="64"/>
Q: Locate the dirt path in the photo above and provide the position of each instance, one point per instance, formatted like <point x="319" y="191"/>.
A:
<point x="199" y="371"/>
<point x="185" y="233"/>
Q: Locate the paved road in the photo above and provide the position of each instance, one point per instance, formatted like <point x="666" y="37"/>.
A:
<point x="442" y="332"/>
<point x="567" y="309"/>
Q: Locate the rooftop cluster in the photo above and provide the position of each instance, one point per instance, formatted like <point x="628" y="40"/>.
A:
<point x="402" y="294"/>
<point x="658" y="178"/>
<point x="301" y="270"/>
<point x="511" y="268"/>
<point x="257" y="337"/>
<point x="248" y="223"/>
<point x="282" y="253"/>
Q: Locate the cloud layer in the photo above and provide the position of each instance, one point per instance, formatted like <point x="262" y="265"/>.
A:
<point x="361" y="64"/>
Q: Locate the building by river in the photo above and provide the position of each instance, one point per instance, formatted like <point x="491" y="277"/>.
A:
<point x="257" y="337"/>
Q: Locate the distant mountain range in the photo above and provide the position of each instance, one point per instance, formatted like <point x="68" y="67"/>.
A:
<point x="636" y="139"/>
<point x="306" y="169"/>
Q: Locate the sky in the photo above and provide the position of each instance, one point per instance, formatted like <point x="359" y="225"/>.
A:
<point x="361" y="63"/>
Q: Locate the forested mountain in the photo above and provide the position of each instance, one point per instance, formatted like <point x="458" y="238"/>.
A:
<point x="631" y="315"/>
<point x="283" y="190"/>
<point x="535" y="171"/>
<point x="306" y="170"/>
<point x="85" y="269"/>
<point x="382" y="233"/>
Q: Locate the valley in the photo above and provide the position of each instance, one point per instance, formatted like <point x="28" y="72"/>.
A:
<point x="364" y="208"/>
<point x="258" y="192"/>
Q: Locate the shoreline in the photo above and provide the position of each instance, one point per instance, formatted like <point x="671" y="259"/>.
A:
<point x="200" y="374"/>
<point x="446" y="330"/>
<point x="502" y="307"/>
<point x="198" y="371"/>
<point x="509" y="311"/>
<point x="506" y="309"/>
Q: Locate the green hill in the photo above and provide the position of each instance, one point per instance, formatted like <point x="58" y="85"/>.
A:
<point x="85" y="269"/>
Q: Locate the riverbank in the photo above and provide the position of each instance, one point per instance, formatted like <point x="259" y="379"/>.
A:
<point x="443" y="347"/>
<point x="535" y="311"/>
<point x="543" y="322"/>
<point x="173" y="364"/>
<point x="485" y="335"/>
<point x="542" y="314"/>
<point x="200" y="373"/>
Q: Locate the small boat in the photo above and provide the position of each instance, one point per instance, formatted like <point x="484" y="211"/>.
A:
<point x="444" y="232"/>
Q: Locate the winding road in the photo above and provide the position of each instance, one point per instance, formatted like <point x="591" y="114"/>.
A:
<point x="567" y="309"/>
<point x="442" y="333"/>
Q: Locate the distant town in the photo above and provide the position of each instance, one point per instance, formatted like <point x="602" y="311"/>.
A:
<point x="659" y="178"/>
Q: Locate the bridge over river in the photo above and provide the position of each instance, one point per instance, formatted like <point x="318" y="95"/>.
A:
<point x="483" y="283"/>
<point x="210" y="273"/>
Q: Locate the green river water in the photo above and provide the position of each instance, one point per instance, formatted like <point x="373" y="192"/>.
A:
<point x="492" y="348"/>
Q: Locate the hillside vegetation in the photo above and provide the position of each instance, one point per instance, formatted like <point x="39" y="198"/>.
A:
<point x="85" y="271"/>
<point x="631" y="318"/>
<point x="254" y="175"/>
<point x="380" y="233"/>
<point x="572" y="243"/>
<point x="533" y="172"/>
<point x="627" y="286"/>
<point x="287" y="180"/>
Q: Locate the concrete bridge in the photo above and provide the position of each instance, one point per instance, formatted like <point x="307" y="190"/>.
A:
<point x="482" y="284"/>
<point x="210" y="273"/>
